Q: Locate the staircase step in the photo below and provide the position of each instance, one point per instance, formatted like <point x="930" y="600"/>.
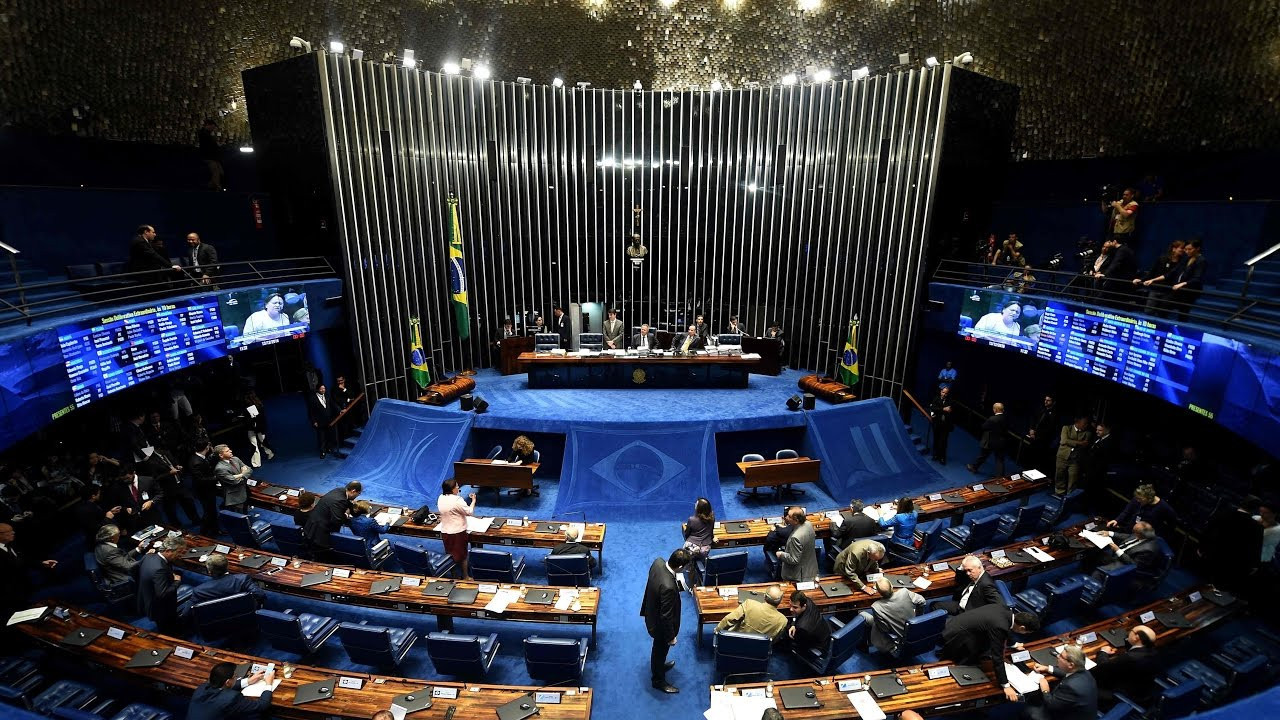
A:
<point x="358" y="430"/>
<point x="351" y="441"/>
<point x="343" y="452"/>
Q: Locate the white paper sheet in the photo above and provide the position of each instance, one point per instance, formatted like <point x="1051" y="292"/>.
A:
<point x="385" y="518"/>
<point x="27" y="615"/>
<point x="836" y="518"/>
<point x="1039" y="554"/>
<point x="720" y="706"/>
<point x="1033" y="474"/>
<point x="1099" y="541"/>
<point x="256" y="689"/>
<point x="750" y="708"/>
<point x="921" y="582"/>
<point x="1022" y="682"/>
<point x="501" y="600"/>
<point x="866" y="706"/>
<point x="478" y="525"/>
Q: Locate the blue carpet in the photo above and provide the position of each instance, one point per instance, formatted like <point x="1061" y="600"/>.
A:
<point x="865" y="451"/>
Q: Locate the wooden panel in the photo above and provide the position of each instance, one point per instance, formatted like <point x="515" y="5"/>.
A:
<point x="771" y="473"/>
<point x="485" y="473"/>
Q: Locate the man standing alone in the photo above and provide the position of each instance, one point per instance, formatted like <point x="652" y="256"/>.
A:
<point x="661" y="612"/>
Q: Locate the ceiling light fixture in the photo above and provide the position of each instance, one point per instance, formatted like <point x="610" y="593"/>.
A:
<point x="298" y="43"/>
<point x="861" y="72"/>
<point x="963" y="58"/>
<point x="336" y="46"/>
<point x="821" y="76"/>
<point x="931" y="61"/>
<point x="451" y="68"/>
<point x="407" y="59"/>
<point x="789" y="79"/>
<point x="481" y="72"/>
<point x="637" y="86"/>
<point x="716" y="86"/>
<point x="558" y="82"/>
<point x="357" y="54"/>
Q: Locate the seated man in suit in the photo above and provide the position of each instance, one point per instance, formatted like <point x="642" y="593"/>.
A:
<point x="115" y="564"/>
<point x="758" y="618"/>
<point x="859" y="560"/>
<point x="219" y="699"/>
<point x="976" y="590"/>
<point x="890" y="614"/>
<point x="222" y="584"/>
<point x="1075" y="697"/>
<point x="856" y="524"/>
<point x="572" y="545"/>
<point x="809" y="629"/>
<point x="688" y="342"/>
<point x="983" y="634"/>
<point x="1130" y="672"/>
<point x="1138" y="548"/>
<point x="139" y="496"/>
<point x="158" y="586"/>
<point x="644" y="340"/>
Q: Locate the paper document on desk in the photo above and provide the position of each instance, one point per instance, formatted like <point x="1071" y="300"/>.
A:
<point x="866" y="705"/>
<point x="836" y="518"/>
<point x="256" y="689"/>
<point x="566" y="598"/>
<point x="720" y="706"/>
<point x="478" y="525"/>
<point x="1038" y="554"/>
<point x="27" y="615"/>
<point x="1099" y="541"/>
<point x="498" y="462"/>
<point x="1022" y="682"/>
<point x="750" y="708"/>
<point x="501" y="600"/>
<point x="1033" y="474"/>
<point x="385" y="518"/>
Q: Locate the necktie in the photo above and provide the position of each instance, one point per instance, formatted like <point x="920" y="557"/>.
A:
<point x="134" y="489"/>
<point x="687" y="342"/>
<point x="964" y="597"/>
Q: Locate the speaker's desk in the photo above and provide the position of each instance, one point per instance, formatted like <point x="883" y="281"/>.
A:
<point x="775" y="473"/>
<point x="636" y="371"/>
<point x="486" y="473"/>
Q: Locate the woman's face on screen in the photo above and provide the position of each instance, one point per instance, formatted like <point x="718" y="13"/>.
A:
<point x="1012" y="313"/>
<point x="275" y="305"/>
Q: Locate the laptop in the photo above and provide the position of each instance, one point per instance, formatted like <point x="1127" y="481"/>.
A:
<point x="1020" y="556"/>
<point x="1045" y="656"/>
<point x="953" y="498"/>
<point x="836" y="590"/>
<point x="799" y="698"/>
<point x="316" y="578"/>
<point x="518" y="709"/>
<point x="540" y="597"/>
<point x="497" y="523"/>
<point x="966" y="675"/>
<point x="311" y="692"/>
<point x="736" y="528"/>
<point x="273" y="490"/>
<point x="884" y="686"/>
<point x="414" y="701"/>
<point x="253" y="562"/>
<point x="899" y="581"/>
<point x="438" y="588"/>
<point x="148" y="658"/>
<point x="745" y="595"/>
<point x="995" y="488"/>
<point x="243" y="670"/>
<point x="1118" y="637"/>
<point x="1173" y="620"/>
<point x="1079" y="544"/>
<point x="1219" y="598"/>
<point x="380" y="587"/>
<point x="545" y="527"/>
<point x="197" y="552"/>
<point x="81" y="637"/>
<point x="463" y="596"/>
<point x="400" y="520"/>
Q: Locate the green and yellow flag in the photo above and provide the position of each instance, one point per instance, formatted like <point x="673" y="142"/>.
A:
<point x="848" y="372"/>
<point x="417" y="357"/>
<point x="458" y="272"/>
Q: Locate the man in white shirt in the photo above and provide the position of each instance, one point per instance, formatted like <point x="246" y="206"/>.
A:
<point x="644" y="340"/>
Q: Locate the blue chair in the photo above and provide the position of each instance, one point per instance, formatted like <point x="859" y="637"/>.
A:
<point x="546" y="342"/>
<point x="115" y="593"/>
<point x="1176" y="701"/>
<point x="1022" y="522"/>
<point x="739" y="653"/>
<point x="64" y="693"/>
<point x="929" y="531"/>
<point x="419" y="560"/>
<point x="225" y="617"/>
<point x="573" y="570"/>
<point x="921" y="635"/>
<point x="19" y="678"/>
<point x="495" y="565"/>
<point x="1149" y="578"/>
<point x="974" y="534"/>
<point x="845" y="638"/>
<point x="494" y="453"/>
<point x="751" y="457"/>
<point x="1007" y="595"/>
<point x="1054" y="601"/>
<point x="555" y="659"/>
<point x="138" y="711"/>
<point x="383" y="647"/>
<point x="724" y="569"/>
<point x="289" y="540"/>
<point x="68" y="713"/>
<point x="301" y="634"/>
<point x="352" y="550"/>
<point x="591" y="341"/>
<point x="1108" y="584"/>
<point x="1057" y="507"/>
<point x="465" y="655"/>
<point x="245" y="530"/>
<point x="1236" y="650"/>
<point x="1119" y="711"/>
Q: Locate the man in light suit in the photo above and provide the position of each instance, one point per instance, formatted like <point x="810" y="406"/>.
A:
<point x="221" y="584"/>
<point x="231" y="472"/>
<point x="115" y="564"/>
<point x="993" y="440"/>
<point x="858" y="560"/>
<point x="158" y="586"/>
<point x="613" y="330"/>
<point x="688" y="342"/>
<point x="890" y="613"/>
<point x="799" y="563"/>
<point x="1075" y="697"/>
<point x="978" y="590"/>
<point x="644" y="340"/>
<point x="220" y="699"/>
<point x="661" y="612"/>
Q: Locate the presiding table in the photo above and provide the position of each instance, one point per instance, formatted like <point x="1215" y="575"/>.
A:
<point x="777" y="473"/>
<point x="478" y="472"/>
<point x="702" y="370"/>
<point x="376" y="692"/>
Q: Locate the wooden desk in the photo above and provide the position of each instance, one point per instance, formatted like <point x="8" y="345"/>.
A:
<point x="485" y="473"/>
<point x="473" y="701"/>
<point x="934" y="697"/>
<point x="510" y="535"/>
<point x="354" y="590"/>
<point x="633" y="371"/>
<point x="927" y="507"/>
<point x="512" y="348"/>
<point x="712" y="608"/>
<point x="769" y="350"/>
<point x="776" y="473"/>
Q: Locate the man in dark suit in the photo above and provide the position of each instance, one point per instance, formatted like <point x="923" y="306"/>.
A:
<point x="89" y="513"/>
<point x="572" y="545"/>
<point x="143" y="256"/>
<point x="219" y="699"/>
<point x="943" y="421"/>
<point x="135" y="437"/>
<point x="173" y="491"/>
<point x="560" y="324"/>
<point x="1044" y="428"/>
<point x="1188" y="279"/>
<point x="329" y="515"/>
<point x="856" y="524"/>
<point x="977" y="591"/>
<point x="644" y="340"/>
<point x="222" y="584"/>
<point x="1075" y="697"/>
<point x="701" y="324"/>
<point x="661" y="612"/>
<point x="201" y="260"/>
<point x="688" y="342"/>
<point x="1102" y="454"/>
<point x="115" y="564"/>
<point x="319" y="412"/>
<point x="1120" y="267"/>
<point x="203" y="481"/>
<point x="139" y="496"/>
<point x="993" y="440"/>
<point x="1140" y="548"/>
<point x="1128" y="673"/>
<point x="158" y="586"/>
<point x="983" y="634"/>
<point x="15" y="570"/>
<point x="734" y="327"/>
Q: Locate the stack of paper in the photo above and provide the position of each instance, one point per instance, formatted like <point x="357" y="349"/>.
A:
<point x="836" y="518"/>
<point x="1038" y="554"/>
<point x="501" y="600"/>
<point x="27" y="615"/>
<point x="1100" y="541"/>
<point x="750" y="708"/>
<point x="478" y="525"/>
<point x="720" y="706"/>
<point x="1033" y="474"/>
<point x="386" y="518"/>
<point x="566" y="598"/>
<point x="1022" y="682"/>
<point x="866" y="705"/>
<point x="256" y="689"/>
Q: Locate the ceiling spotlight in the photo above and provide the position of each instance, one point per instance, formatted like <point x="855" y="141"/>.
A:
<point x="558" y="82"/>
<point x="732" y="4"/>
<point x="810" y="5"/>
<point x="246" y="148"/>
<point x="451" y="68"/>
<point x="861" y="72"/>
<point x="336" y="46"/>
<point x="667" y="3"/>
<point x="931" y="61"/>
<point x="963" y="58"/>
<point x="583" y="85"/>
<point x="407" y="59"/>
<point x="821" y="76"/>
<point x="637" y="86"/>
<point x="524" y="80"/>
<point x="716" y="86"/>
<point x="298" y="43"/>
<point x="789" y="79"/>
<point x="466" y="64"/>
<point x="480" y="72"/>
<point x="357" y="54"/>
<point x="904" y="58"/>
<point x="752" y="187"/>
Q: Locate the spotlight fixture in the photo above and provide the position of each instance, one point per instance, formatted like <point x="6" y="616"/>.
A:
<point x="466" y="64"/>
<point x="637" y="86"/>
<point x="357" y="54"/>
<point x="716" y="86"/>
<point x="931" y="61"/>
<point x="246" y="148"/>
<point x="336" y="46"/>
<point x="583" y="85"/>
<point x="451" y="68"/>
<point x="963" y="58"/>
<point x="810" y="5"/>
<point x="524" y="80"/>
<point x="407" y="59"/>
<point x="789" y="79"/>
<point x="481" y="72"/>
<point x="821" y="76"/>
<point x="298" y="43"/>
<point x="861" y="72"/>
<point x="667" y="3"/>
<point x="752" y="187"/>
<point x="558" y="82"/>
<point x="904" y="58"/>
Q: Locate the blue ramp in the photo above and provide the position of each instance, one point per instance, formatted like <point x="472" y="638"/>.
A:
<point x="624" y="470"/>
<point x="405" y="452"/>
<point x="866" y="453"/>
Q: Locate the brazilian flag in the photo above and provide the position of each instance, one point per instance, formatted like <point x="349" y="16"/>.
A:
<point x="417" y="358"/>
<point x="458" y="272"/>
<point x="848" y="373"/>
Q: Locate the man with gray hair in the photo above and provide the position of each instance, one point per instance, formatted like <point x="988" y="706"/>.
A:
<point x="231" y="472"/>
<point x="115" y="564"/>
<point x="1075" y="697"/>
<point x="222" y="584"/>
<point x="978" y="588"/>
<point x="758" y="618"/>
<point x="1140" y="548"/>
<point x="158" y="586"/>
<point x="890" y="614"/>
<point x="572" y="544"/>
<point x="859" y="560"/>
<point x="798" y="560"/>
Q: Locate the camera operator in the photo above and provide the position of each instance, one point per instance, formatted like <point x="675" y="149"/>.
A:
<point x="1123" y="216"/>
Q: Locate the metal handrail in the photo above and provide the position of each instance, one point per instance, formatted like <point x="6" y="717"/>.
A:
<point x="1262" y="255"/>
